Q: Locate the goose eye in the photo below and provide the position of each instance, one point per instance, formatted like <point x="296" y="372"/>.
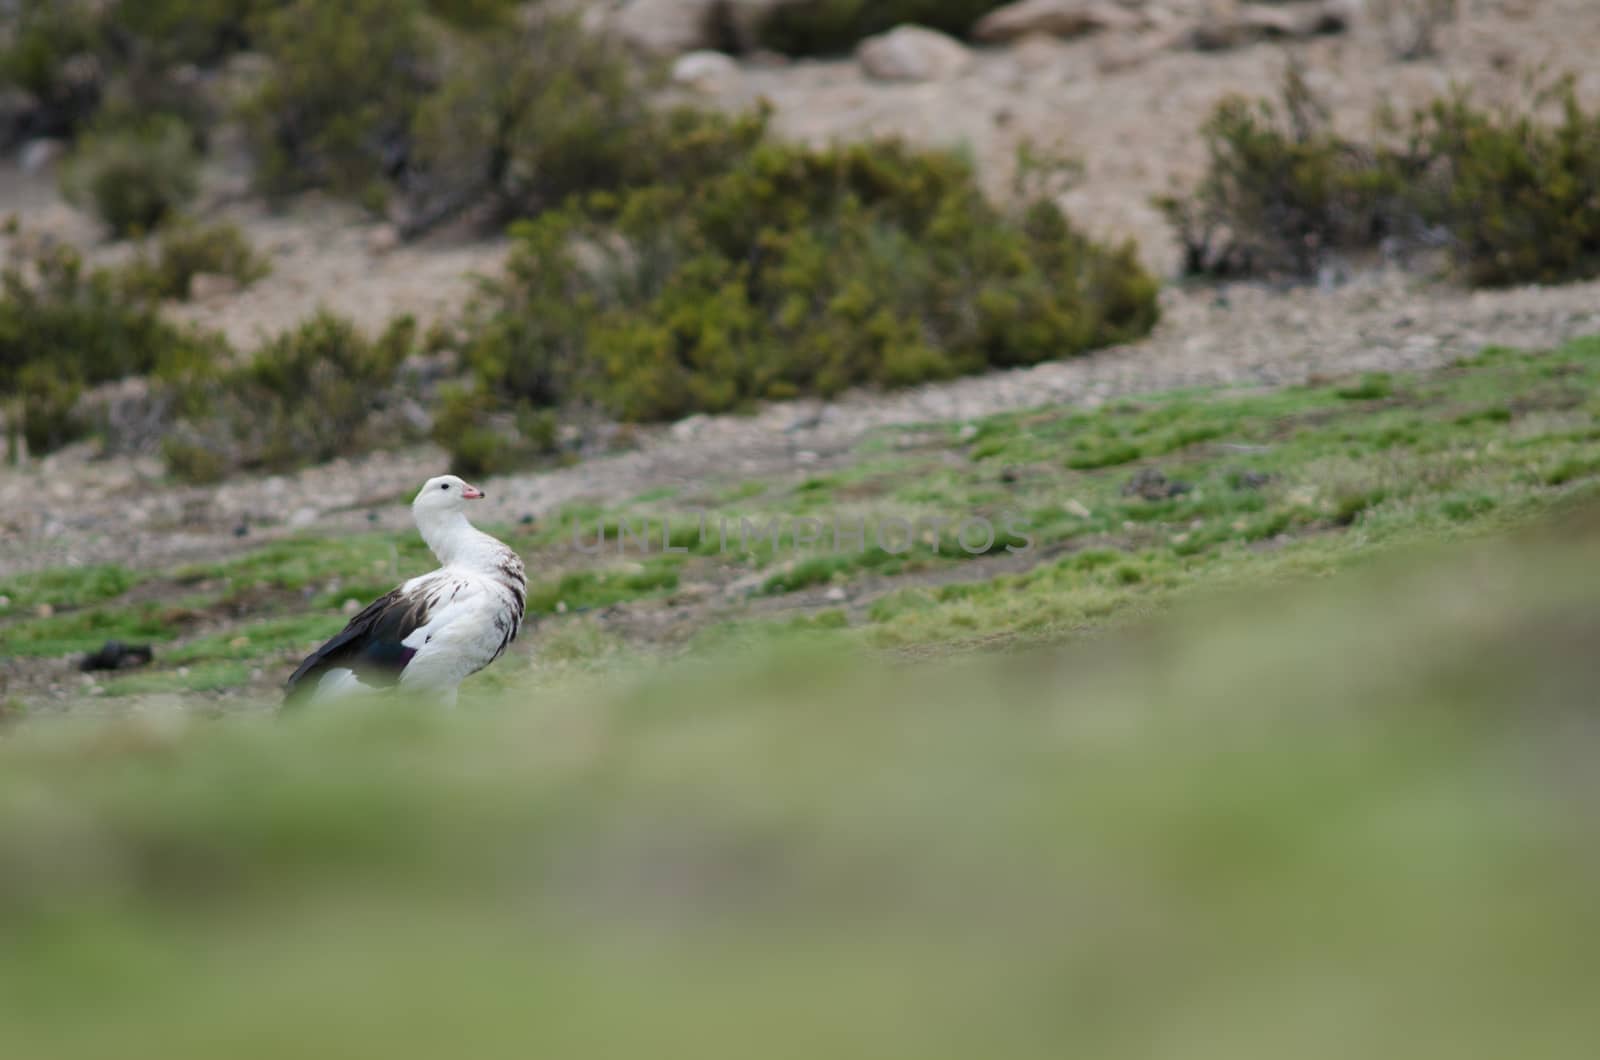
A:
<point x="444" y="485"/>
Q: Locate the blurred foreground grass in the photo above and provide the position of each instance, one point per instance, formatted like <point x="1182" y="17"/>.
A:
<point x="1350" y="818"/>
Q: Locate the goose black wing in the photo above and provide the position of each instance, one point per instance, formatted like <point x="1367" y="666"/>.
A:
<point x="373" y="644"/>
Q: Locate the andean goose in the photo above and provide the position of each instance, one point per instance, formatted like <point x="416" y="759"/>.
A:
<point x="437" y="629"/>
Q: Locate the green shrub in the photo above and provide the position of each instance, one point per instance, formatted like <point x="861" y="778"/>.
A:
<point x="306" y="397"/>
<point x="81" y="323"/>
<point x="186" y="250"/>
<point x="1510" y="197"/>
<point x="50" y="416"/>
<point x="794" y="271"/>
<point x="133" y="176"/>
<point x="810" y="27"/>
<point x="1517" y="196"/>
<point x="202" y="32"/>
<point x="110" y="62"/>
<point x="1282" y="189"/>
<point x="337" y="108"/>
<point x="527" y="118"/>
<point x="485" y="440"/>
<point x="63" y="328"/>
<point x="56" y="51"/>
<point x="473" y="14"/>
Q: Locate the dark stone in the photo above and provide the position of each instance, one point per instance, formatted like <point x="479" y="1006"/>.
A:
<point x="1152" y="485"/>
<point x="115" y="655"/>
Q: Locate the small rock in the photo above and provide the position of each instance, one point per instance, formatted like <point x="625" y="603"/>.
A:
<point x="1232" y="26"/>
<point x="1033" y="52"/>
<point x="912" y="53"/>
<point x="44" y="611"/>
<point x="206" y="286"/>
<point x="662" y="27"/>
<point x="5" y="602"/>
<point x="303" y="517"/>
<point x="706" y="71"/>
<point x="383" y="239"/>
<point x="1152" y="485"/>
<point x="967" y="432"/>
<point x="350" y="606"/>
<point x="805" y="456"/>
<point x="239" y="642"/>
<point x="1078" y="508"/>
<point x="835" y="594"/>
<point x="1253" y="480"/>
<point x="39" y="155"/>
<point x="690" y="426"/>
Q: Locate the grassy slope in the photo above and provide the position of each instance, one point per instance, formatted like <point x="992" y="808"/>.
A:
<point x="1347" y="819"/>
<point x="1318" y="820"/>
<point x="1278" y="484"/>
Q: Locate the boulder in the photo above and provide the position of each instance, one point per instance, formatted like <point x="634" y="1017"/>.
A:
<point x="912" y="53"/>
<point x="1233" y="25"/>
<point x="1058" y="18"/>
<point x="208" y="286"/>
<point x="41" y="154"/>
<point x="705" y="71"/>
<point x="665" y="27"/>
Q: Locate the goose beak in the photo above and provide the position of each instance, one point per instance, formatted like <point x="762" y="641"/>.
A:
<point x="472" y="493"/>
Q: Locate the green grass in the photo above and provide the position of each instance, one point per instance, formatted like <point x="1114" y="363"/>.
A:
<point x="1176" y="492"/>
<point x="1349" y="816"/>
<point x="62" y="587"/>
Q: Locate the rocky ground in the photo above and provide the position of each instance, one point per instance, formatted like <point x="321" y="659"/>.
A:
<point x="1126" y="101"/>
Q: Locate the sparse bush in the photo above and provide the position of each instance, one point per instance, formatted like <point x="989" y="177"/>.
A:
<point x="795" y="271"/>
<point x="346" y="81"/>
<point x="1510" y="197"/>
<point x="810" y="27"/>
<point x="307" y="396"/>
<point x="186" y="250"/>
<point x="134" y="176"/>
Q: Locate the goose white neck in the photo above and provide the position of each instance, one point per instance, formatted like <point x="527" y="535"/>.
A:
<point x="456" y="542"/>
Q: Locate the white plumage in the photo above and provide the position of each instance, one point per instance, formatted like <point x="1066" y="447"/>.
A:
<point x="437" y="629"/>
